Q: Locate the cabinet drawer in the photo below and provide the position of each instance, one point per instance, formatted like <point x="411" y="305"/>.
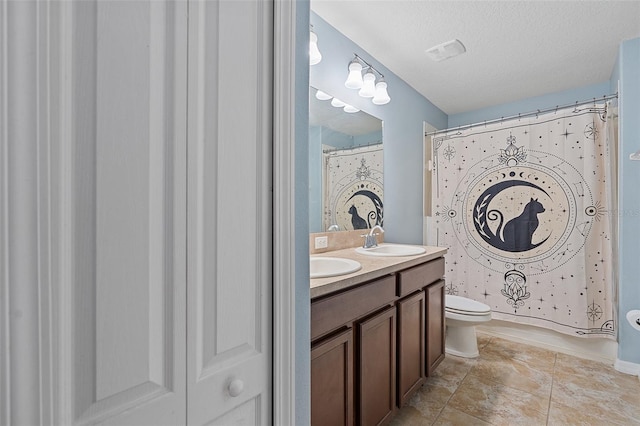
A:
<point x="340" y="309"/>
<point x="420" y="276"/>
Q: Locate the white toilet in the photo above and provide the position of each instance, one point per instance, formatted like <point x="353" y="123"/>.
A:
<point x="461" y="317"/>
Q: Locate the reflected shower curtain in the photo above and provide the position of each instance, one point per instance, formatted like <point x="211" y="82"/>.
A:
<point x="524" y="208"/>
<point x="353" y="187"/>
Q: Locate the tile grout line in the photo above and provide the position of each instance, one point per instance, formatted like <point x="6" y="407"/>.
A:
<point x="456" y="390"/>
<point x="553" y="378"/>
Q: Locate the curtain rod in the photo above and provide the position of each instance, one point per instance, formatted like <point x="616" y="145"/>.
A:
<point x="526" y="114"/>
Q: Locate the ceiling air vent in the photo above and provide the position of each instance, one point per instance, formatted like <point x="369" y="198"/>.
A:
<point x="446" y="50"/>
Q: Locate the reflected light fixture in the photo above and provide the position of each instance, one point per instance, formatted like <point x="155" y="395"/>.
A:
<point x="371" y="84"/>
<point x="314" y="53"/>
<point x="322" y="96"/>
<point x="337" y="103"/>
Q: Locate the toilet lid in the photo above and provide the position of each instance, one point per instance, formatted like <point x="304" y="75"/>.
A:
<point x="465" y="306"/>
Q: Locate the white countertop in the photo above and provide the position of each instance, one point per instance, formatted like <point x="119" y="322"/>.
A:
<point x="372" y="267"/>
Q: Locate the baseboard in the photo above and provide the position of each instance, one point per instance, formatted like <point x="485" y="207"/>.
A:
<point x="627" y="367"/>
<point x="602" y="350"/>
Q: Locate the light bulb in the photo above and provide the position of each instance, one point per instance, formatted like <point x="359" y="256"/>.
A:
<point x="350" y="109"/>
<point x="314" y="52"/>
<point x="320" y="95"/>
<point x="337" y="103"/>
<point x="368" y="86"/>
<point x="354" y="80"/>
<point x="381" y="96"/>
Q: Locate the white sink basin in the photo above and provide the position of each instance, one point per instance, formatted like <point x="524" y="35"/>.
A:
<point x="392" y="250"/>
<point x="323" y="267"/>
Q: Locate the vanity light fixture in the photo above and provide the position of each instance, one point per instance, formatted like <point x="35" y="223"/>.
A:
<point x="350" y="109"/>
<point x="368" y="88"/>
<point x="354" y="80"/>
<point x="314" y="53"/>
<point x="381" y="96"/>
<point x="369" y="85"/>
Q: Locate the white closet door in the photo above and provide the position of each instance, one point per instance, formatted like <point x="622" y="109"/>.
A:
<point x="122" y="296"/>
<point x="229" y="212"/>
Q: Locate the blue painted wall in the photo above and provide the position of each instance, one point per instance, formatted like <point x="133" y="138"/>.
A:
<point x="402" y="120"/>
<point x="315" y="178"/>
<point x="627" y="72"/>
<point x="530" y="104"/>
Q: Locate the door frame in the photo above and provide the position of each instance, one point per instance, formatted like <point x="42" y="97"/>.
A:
<point x="284" y="229"/>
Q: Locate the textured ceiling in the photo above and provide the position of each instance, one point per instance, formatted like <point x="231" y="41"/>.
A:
<point x="515" y="49"/>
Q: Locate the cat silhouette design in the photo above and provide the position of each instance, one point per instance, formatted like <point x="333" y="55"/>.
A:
<point x="517" y="233"/>
<point x="356" y="220"/>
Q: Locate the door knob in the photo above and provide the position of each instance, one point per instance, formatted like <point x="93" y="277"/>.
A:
<point x="235" y="387"/>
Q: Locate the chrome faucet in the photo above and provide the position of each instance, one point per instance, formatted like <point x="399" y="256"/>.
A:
<point x="333" y="228"/>
<point x="370" y="239"/>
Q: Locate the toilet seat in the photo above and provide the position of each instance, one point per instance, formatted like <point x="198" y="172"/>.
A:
<point x="463" y="306"/>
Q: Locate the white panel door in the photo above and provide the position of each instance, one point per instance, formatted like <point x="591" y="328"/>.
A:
<point x="229" y="212"/>
<point x="122" y="299"/>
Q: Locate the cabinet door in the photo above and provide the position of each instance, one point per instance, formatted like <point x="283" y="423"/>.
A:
<point x="119" y="323"/>
<point x="411" y="348"/>
<point x="376" y="368"/>
<point x="332" y="380"/>
<point x="435" y="325"/>
<point x="229" y="284"/>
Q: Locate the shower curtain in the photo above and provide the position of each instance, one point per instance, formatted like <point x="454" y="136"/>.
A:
<point x="524" y="207"/>
<point x="353" y="187"/>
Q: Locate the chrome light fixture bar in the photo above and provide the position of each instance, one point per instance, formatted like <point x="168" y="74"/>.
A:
<point x="371" y="84"/>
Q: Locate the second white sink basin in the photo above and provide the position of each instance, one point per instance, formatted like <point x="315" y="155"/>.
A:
<point x="323" y="267"/>
<point x="392" y="250"/>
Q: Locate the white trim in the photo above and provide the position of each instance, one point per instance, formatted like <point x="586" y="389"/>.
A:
<point x="5" y="358"/>
<point x="283" y="213"/>
<point x="627" y="367"/>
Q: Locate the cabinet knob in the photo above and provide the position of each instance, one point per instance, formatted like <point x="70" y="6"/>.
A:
<point x="236" y="387"/>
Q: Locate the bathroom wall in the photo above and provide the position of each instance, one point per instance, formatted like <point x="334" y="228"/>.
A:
<point x="627" y="72"/>
<point x="402" y="120"/>
<point x="544" y="101"/>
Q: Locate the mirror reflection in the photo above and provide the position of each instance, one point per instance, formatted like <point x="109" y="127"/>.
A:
<point x="345" y="166"/>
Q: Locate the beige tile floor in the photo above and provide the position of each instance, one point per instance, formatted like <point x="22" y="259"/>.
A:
<point x="516" y="384"/>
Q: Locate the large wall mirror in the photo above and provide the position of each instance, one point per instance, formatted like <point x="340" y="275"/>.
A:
<point x="345" y="166"/>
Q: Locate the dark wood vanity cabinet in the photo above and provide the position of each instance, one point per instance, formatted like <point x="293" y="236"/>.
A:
<point x="374" y="344"/>
<point x="376" y="396"/>
<point x="411" y="345"/>
<point x="435" y="325"/>
<point x="332" y="379"/>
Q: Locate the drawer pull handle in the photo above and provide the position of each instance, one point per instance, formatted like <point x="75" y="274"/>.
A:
<point x="236" y="387"/>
